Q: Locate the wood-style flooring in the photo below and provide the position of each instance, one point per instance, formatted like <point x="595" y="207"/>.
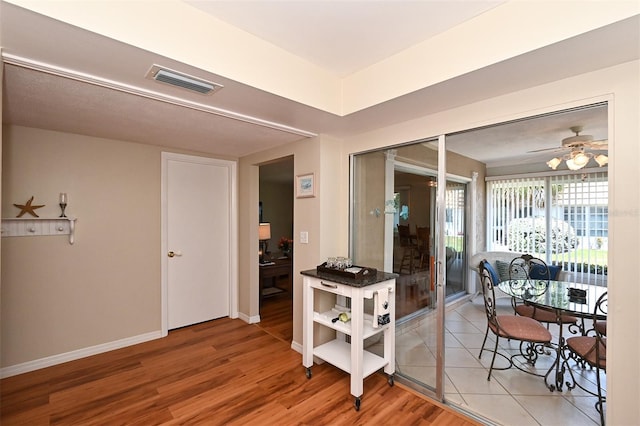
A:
<point x="276" y="317"/>
<point x="222" y="372"/>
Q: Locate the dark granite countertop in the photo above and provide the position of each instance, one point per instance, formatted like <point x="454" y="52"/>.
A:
<point x="373" y="279"/>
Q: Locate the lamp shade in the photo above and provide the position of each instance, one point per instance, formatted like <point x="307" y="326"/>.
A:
<point x="572" y="165"/>
<point x="264" y="231"/>
<point x="554" y="162"/>
<point x="580" y="159"/>
<point x="601" y="159"/>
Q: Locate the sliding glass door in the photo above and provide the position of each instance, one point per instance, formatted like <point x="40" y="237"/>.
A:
<point x="395" y="226"/>
<point x="493" y="191"/>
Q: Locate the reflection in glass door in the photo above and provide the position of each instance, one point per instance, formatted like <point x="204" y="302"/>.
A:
<point x="394" y="228"/>
<point x="413" y="230"/>
<point x="455" y="247"/>
<point x="403" y="220"/>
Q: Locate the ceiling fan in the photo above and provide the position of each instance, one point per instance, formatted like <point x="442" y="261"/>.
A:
<point x="577" y="157"/>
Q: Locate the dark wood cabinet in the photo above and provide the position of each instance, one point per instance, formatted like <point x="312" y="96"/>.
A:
<point x="276" y="278"/>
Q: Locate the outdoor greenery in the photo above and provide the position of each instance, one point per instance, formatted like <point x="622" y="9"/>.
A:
<point x="454" y="241"/>
<point x="597" y="261"/>
<point x="529" y="234"/>
<point x="584" y="267"/>
<point x="598" y="258"/>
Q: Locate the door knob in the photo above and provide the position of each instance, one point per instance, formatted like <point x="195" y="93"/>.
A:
<point x="174" y="253"/>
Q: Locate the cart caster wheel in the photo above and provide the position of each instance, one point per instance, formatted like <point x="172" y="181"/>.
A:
<point x="390" y="380"/>
<point x="356" y="403"/>
<point x="308" y="372"/>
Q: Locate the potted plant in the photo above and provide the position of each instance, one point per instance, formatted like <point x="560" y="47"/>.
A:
<point x="285" y="245"/>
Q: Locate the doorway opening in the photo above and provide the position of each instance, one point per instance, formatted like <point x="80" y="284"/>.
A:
<point x="275" y="210"/>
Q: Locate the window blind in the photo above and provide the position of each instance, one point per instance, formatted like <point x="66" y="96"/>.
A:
<point x="562" y="219"/>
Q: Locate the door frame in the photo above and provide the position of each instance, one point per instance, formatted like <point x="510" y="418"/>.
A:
<point x="231" y="167"/>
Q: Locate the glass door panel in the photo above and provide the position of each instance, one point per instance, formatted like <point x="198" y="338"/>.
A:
<point x="394" y="228"/>
<point x="455" y="238"/>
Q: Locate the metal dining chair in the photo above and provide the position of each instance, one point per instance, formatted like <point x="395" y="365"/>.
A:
<point x="539" y="274"/>
<point x="592" y="350"/>
<point x="409" y="249"/>
<point x="422" y="235"/>
<point x="532" y="335"/>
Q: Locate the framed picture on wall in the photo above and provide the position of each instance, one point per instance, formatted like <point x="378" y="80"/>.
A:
<point x="305" y="186"/>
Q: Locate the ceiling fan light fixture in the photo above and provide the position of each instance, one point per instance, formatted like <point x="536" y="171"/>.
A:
<point x="576" y="161"/>
<point x="580" y="159"/>
<point x="554" y="162"/>
<point x="573" y="166"/>
<point x="601" y="159"/>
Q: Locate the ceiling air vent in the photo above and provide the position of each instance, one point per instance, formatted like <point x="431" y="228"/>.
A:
<point x="174" y="78"/>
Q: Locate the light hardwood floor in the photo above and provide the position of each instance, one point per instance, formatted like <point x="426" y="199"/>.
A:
<point x="219" y="372"/>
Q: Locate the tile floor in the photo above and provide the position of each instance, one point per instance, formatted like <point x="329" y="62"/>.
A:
<point x="511" y="397"/>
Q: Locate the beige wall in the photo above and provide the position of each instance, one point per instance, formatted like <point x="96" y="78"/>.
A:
<point x="619" y="85"/>
<point x="419" y="200"/>
<point x="369" y="191"/>
<point x="319" y="216"/>
<point x="59" y="297"/>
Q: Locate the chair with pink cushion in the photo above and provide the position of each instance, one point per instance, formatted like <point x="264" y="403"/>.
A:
<point x="533" y="336"/>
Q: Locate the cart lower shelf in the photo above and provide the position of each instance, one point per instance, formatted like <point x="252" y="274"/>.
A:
<point x="338" y="354"/>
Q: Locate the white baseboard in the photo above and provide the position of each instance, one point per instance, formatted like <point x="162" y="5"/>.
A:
<point x="296" y="346"/>
<point x="249" y="320"/>
<point x="77" y="354"/>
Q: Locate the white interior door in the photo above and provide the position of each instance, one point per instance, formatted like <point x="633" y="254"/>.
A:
<point x="198" y="223"/>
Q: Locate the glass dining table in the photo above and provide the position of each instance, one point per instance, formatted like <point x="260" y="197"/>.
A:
<point x="561" y="297"/>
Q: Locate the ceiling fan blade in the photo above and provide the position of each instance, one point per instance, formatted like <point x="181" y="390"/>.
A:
<point x="556" y="149"/>
<point x="600" y="144"/>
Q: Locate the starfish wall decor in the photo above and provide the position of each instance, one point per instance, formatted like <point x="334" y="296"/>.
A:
<point x="28" y="208"/>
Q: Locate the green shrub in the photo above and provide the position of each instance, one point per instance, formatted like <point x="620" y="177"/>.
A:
<point x="585" y="267"/>
<point x="529" y="235"/>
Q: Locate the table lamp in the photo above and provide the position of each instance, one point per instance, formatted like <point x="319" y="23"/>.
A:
<point x="264" y="234"/>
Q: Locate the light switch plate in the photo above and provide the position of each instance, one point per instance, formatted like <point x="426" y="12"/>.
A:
<point x="304" y="237"/>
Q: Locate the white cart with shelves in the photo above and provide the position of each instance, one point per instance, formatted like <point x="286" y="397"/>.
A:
<point x="350" y="357"/>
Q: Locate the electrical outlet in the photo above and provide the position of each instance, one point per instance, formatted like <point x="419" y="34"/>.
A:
<point x="304" y="237"/>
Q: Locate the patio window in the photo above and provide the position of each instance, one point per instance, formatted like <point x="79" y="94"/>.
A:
<point x="562" y="219"/>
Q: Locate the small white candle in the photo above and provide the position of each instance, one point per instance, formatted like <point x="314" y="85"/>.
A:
<point x="63" y="198"/>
